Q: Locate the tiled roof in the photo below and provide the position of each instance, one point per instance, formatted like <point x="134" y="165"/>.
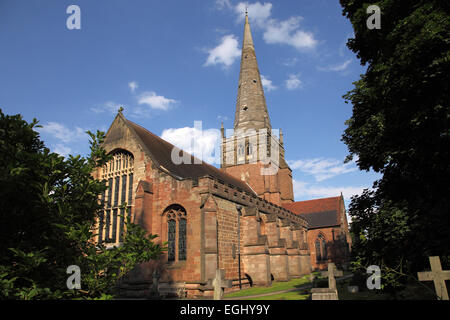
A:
<point x="318" y="212"/>
<point x="161" y="151"/>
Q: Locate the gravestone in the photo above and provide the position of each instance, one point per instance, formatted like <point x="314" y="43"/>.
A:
<point x="219" y="283"/>
<point x="331" y="273"/>
<point x="329" y="293"/>
<point x="438" y="276"/>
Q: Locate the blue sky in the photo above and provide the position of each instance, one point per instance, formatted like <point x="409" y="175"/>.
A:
<point x="173" y="62"/>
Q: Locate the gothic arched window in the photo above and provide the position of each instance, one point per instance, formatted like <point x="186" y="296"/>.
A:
<point x="176" y="233"/>
<point x="118" y="175"/>
<point x="321" y="248"/>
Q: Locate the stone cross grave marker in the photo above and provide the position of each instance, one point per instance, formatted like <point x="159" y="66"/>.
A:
<point x="329" y="293"/>
<point x="438" y="276"/>
<point x="219" y="283"/>
<point x="331" y="273"/>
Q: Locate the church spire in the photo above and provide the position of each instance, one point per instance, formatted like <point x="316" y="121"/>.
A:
<point x="251" y="108"/>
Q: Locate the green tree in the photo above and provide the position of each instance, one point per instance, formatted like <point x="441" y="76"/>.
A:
<point x="49" y="208"/>
<point x="400" y="127"/>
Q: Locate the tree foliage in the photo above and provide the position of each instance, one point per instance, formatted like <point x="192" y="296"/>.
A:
<point x="49" y="208"/>
<point x="400" y="127"/>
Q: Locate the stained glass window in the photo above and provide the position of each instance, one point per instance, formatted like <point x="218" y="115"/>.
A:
<point x="324" y="250"/>
<point x="124" y="189"/>
<point x="107" y="224"/>
<point x="171" y="239"/>
<point x="121" y="226"/>
<point x="182" y="239"/>
<point x="119" y="176"/>
<point x="177" y="233"/>
<point x="114" y="226"/>
<point x="116" y="191"/>
<point x="110" y="182"/>
<point x="100" y="227"/>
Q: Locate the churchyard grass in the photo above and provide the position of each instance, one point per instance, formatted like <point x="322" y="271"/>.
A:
<point x="293" y="295"/>
<point x="276" y="286"/>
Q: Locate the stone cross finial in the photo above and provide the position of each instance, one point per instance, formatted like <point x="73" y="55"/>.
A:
<point x="219" y="283"/>
<point x="438" y="276"/>
<point x="121" y="109"/>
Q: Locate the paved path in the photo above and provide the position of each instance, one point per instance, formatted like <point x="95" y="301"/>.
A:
<point x="303" y="287"/>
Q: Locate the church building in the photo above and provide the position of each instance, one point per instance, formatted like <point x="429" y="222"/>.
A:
<point x="240" y="218"/>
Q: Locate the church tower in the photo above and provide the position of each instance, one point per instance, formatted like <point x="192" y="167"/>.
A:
<point x="254" y="152"/>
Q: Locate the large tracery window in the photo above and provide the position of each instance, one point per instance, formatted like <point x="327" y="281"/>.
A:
<point x="118" y="175"/>
<point x="176" y="233"/>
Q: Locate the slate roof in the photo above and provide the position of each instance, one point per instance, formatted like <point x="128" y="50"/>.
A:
<point x="160" y="151"/>
<point x="319" y="213"/>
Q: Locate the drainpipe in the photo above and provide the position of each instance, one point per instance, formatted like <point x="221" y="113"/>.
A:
<point x="239" y="208"/>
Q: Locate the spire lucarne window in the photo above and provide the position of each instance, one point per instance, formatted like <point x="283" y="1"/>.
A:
<point x="118" y="175"/>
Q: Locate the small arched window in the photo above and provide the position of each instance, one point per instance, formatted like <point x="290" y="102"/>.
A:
<point x="240" y="150"/>
<point x="176" y="233"/>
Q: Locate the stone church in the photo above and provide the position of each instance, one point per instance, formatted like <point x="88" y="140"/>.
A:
<point x="240" y="218"/>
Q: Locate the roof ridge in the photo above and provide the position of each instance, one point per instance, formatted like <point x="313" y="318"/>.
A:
<point x="213" y="168"/>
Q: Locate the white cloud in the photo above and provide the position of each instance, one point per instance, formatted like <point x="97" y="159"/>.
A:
<point x="288" y="32"/>
<point x="108" y="107"/>
<point x="293" y="82"/>
<point x="204" y="144"/>
<point x="62" y="133"/>
<point x="133" y="85"/>
<point x="220" y="4"/>
<point x="305" y="190"/>
<point x="224" y="118"/>
<point x="225" y="53"/>
<point x="154" y="101"/>
<point x="267" y="84"/>
<point x="64" y="137"/>
<point x="290" y="62"/>
<point x="336" y="68"/>
<point x="258" y="13"/>
<point x="321" y="168"/>
<point x="62" y="150"/>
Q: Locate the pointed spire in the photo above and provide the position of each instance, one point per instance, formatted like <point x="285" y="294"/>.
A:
<point x="248" y="40"/>
<point x="222" y="130"/>
<point x="251" y="108"/>
<point x="281" y="137"/>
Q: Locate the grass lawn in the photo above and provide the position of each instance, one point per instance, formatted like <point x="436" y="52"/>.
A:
<point x="294" y="295"/>
<point x="276" y="286"/>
